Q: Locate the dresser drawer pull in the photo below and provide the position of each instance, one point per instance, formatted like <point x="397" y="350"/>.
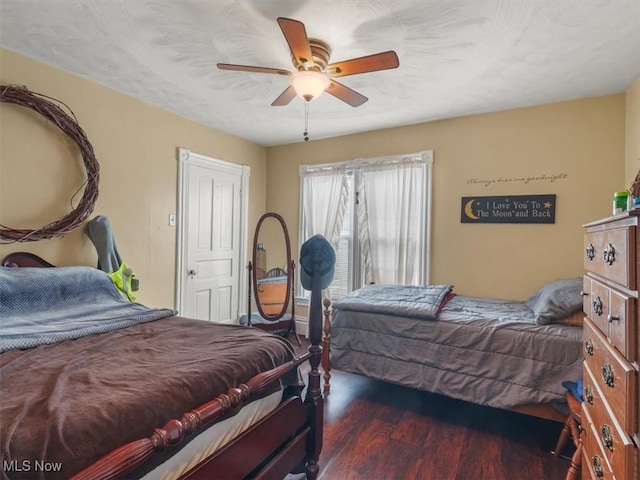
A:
<point x="607" y="375"/>
<point x="609" y="255"/>
<point x="590" y="251"/>
<point x="597" y="306"/>
<point x="588" y="346"/>
<point x="584" y="294"/>
<point x="607" y="438"/>
<point x="613" y="318"/>
<point x="588" y="394"/>
<point x="597" y="466"/>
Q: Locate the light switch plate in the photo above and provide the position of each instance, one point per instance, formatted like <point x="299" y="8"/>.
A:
<point x="172" y="220"/>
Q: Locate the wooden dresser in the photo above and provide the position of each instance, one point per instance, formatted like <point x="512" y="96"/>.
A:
<point x="611" y="348"/>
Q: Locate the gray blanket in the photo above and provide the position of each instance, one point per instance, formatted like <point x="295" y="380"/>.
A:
<point x="423" y="302"/>
<point x="485" y="351"/>
<point x="41" y="306"/>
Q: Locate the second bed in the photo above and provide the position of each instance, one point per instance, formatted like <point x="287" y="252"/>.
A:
<point x="500" y="353"/>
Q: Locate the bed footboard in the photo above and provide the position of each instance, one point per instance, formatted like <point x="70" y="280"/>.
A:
<point x="133" y="455"/>
<point x="270" y="439"/>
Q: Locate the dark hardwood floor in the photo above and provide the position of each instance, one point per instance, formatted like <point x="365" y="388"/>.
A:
<point x="378" y="431"/>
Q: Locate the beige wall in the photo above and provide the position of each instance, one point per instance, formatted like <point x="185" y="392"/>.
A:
<point x="135" y="144"/>
<point x="632" y="140"/>
<point x="584" y="139"/>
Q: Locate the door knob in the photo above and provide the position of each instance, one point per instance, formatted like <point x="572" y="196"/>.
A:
<point x="192" y="273"/>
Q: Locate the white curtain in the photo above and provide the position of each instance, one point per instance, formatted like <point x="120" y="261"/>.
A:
<point x="391" y="209"/>
<point x="324" y="203"/>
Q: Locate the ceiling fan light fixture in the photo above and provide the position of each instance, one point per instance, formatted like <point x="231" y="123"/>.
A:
<point x="309" y="84"/>
<point x="313" y="74"/>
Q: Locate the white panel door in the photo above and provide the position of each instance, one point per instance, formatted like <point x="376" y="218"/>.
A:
<point x="212" y="255"/>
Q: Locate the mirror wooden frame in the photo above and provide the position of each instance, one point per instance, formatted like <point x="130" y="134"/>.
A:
<point x="290" y="270"/>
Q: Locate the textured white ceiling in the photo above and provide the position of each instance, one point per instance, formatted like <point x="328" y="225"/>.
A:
<point x="456" y="57"/>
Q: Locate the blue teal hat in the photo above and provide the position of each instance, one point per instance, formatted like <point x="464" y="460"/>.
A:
<point x="317" y="253"/>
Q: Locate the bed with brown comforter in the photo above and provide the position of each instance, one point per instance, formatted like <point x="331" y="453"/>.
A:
<point x="84" y="372"/>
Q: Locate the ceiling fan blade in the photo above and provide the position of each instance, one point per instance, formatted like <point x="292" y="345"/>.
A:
<point x="248" y="68"/>
<point x="296" y="36"/>
<point x="370" y="63"/>
<point x="345" y="94"/>
<point x="284" y="98"/>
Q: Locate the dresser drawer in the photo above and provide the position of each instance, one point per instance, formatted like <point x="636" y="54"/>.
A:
<point x="615" y="444"/>
<point x="590" y="392"/>
<point x="594" y="461"/>
<point x="596" y="303"/>
<point x="613" y="312"/>
<point x="613" y="375"/>
<point x="623" y="323"/>
<point x="609" y="253"/>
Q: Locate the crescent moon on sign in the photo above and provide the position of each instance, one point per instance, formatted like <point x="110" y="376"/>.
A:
<point x="468" y="211"/>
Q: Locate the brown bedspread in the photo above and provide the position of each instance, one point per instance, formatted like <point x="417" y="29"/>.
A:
<point x="66" y="405"/>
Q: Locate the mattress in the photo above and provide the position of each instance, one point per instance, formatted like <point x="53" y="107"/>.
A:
<point x="213" y="438"/>
<point x="486" y="351"/>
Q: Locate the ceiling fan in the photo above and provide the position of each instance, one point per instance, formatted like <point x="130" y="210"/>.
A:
<point x="313" y="72"/>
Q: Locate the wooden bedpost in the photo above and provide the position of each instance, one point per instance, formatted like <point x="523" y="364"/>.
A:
<point x="313" y="399"/>
<point x="326" y="346"/>
<point x="249" y="273"/>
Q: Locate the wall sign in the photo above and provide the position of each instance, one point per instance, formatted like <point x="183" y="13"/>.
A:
<point x="545" y="177"/>
<point x="509" y="209"/>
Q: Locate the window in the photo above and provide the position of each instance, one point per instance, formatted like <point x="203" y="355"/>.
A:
<point x="344" y="277"/>
<point x="375" y="213"/>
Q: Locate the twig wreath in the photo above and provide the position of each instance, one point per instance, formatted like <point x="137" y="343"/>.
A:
<point x="46" y="107"/>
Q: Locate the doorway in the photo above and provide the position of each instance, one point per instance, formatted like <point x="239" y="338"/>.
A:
<point x="212" y="225"/>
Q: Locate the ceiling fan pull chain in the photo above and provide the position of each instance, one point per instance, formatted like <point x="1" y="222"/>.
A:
<point x="306" y="122"/>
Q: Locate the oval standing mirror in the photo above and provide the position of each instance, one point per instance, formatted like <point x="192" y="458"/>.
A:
<point x="272" y="276"/>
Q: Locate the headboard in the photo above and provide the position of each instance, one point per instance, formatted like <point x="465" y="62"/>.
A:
<point x="24" y="259"/>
